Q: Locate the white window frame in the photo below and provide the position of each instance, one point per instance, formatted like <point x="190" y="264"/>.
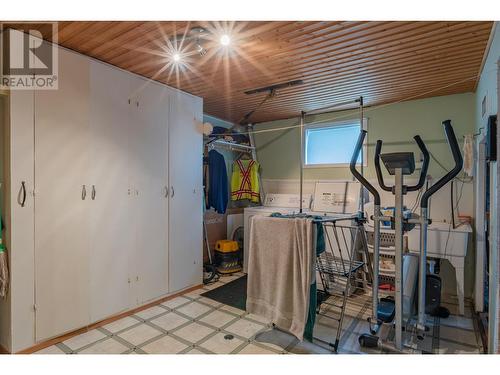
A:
<point x="333" y="124"/>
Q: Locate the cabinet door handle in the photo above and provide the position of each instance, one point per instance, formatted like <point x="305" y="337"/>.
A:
<point x="84" y="192"/>
<point x="93" y="192"/>
<point x="22" y="194"/>
<point x="166" y="191"/>
<point x="172" y="192"/>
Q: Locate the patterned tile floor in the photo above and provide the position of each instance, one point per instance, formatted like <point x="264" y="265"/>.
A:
<point x="192" y="324"/>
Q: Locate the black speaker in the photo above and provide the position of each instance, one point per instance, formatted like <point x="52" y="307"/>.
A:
<point x="491" y="138"/>
<point x="432" y="294"/>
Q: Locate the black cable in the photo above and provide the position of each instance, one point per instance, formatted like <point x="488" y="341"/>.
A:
<point x="449" y="227"/>
<point x="452" y="204"/>
<point x="446" y="170"/>
<point x="415" y="204"/>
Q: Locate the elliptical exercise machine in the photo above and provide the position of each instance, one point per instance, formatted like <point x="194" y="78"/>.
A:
<point x="388" y="311"/>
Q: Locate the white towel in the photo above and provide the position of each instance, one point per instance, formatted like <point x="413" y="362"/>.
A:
<point x="4" y="274"/>
<point x="280" y="268"/>
<point x="468" y="154"/>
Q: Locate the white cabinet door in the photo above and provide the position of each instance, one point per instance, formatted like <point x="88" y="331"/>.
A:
<point x="61" y="205"/>
<point x="185" y="174"/>
<point x="149" y="180"/>
<point x="111" y="228"/>
<point x="20" y="225"/>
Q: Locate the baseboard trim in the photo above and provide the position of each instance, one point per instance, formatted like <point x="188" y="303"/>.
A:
<point x="66" y="336"/>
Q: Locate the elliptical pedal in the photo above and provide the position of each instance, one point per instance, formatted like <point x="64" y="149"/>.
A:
<point x="386" y="310"/>
<point x="368" y="341"/>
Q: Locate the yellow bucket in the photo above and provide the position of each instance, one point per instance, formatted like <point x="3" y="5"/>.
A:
<point x="226" y="246"/>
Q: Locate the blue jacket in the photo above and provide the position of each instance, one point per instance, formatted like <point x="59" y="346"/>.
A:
<point x="218" y="186"/>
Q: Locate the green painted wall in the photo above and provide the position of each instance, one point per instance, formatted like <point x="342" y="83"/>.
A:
<point x="279" y="151"/>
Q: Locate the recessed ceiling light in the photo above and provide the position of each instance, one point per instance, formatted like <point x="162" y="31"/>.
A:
<point x="225" y="40"/>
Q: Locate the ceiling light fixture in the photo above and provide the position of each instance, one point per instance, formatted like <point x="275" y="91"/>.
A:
<point x="200" y="49"/>
<point x="225" y="40"/>
<point x="197" y="39"/>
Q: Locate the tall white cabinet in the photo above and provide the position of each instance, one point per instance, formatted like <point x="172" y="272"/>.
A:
<point x="185" y="193"/>
<point x="114" y="208"/>
<point x="149" y="183"/>
<point x="62" y="166"/>
<point x="111" y="227"/>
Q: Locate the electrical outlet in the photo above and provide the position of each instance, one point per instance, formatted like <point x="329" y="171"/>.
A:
<point x="419" y="162"/>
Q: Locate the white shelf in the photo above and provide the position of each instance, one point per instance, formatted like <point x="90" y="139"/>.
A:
<point x="386" y="272"/>
<point x="384" y="251"/>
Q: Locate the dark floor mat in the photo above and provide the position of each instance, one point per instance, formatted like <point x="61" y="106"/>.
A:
<point x="233" y="294"/>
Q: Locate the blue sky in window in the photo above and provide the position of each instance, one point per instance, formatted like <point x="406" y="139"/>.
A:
<point x="331" y="145"/>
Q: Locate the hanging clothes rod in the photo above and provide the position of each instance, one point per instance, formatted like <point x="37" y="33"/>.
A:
<point x="336" y="105"/>
<point x="337" y="218"/>
<point x="220" y="143"/>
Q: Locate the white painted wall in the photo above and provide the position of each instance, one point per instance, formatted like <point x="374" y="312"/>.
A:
<point x="487" y="85"/>
<point x="486" y="91"/>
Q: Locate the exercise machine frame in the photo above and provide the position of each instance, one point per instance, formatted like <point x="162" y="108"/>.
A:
<point x="400" y="223"/>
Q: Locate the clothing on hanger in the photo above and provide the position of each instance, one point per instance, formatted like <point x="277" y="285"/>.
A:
<point x="245" y="181"/>
<point x="217" y="182"/>
<point x="4" y="264"/>
<point x="205" y="183"/>
<point x="468" y="150"/>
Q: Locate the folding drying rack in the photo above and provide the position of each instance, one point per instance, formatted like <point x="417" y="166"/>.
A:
<point x="339" y="267"/>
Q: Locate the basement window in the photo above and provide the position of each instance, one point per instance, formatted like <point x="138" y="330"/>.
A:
<point x="332" y="144"/>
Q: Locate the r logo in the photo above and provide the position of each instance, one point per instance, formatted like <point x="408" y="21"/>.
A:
<point x="28" y="60"/>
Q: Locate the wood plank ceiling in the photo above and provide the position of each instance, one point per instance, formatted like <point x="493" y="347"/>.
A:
<point x="383" y="61"/>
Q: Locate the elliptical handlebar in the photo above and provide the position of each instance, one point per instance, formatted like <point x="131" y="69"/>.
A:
<point x="359" y="176"/>
<point x="457" y="157"/>
<point x="380" y="177"/>
<point x="425" y="165"/>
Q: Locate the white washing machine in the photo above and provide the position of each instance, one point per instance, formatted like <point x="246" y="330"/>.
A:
<point x="330" y="198"/>
<point x="283" y="203"/>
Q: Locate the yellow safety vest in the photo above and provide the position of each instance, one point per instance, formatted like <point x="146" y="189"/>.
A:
<point x="245" y="181"/>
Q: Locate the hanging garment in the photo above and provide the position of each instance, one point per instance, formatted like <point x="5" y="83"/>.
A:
<point x="206" y="181"/>
<point x="4" y="266"/>
<point x="245" y="181"/>
<point x="218" y="130"/>
<point x="4" y="272"/>
<point x="468" y="154"/>
<point x="218" y="194"/>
